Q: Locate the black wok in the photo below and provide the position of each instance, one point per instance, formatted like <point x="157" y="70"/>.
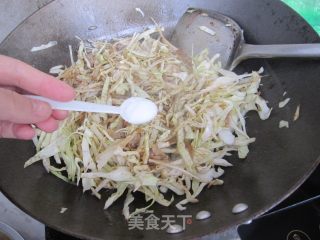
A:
<point x="279" y="161"/>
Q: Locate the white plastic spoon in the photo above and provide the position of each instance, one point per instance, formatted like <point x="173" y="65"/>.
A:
<point x="134" y="110"/>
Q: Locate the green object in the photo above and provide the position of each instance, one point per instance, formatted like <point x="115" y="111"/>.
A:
<point x="308" y="9"/>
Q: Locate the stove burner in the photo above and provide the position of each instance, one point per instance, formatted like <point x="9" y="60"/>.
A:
<point x="297" y="235"/>
<point x="296" y="218"/>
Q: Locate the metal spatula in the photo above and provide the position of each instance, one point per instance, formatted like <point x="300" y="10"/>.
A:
<point x="199" y="29"/>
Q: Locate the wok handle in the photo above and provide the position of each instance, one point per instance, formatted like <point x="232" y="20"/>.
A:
<point x="311" y="50"/>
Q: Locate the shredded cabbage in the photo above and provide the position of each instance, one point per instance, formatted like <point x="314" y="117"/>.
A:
<point x="296" y="113"/>
<point x="283" y="124"/>
<point x="284" y="103"/>
<point x="201" y="120"/>
<point x="44" y="46"/>
<point x="207" y="30"/>
<point x="140" y="11"/>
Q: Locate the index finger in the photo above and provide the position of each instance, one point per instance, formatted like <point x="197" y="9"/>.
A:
<point x="16" y="73"/>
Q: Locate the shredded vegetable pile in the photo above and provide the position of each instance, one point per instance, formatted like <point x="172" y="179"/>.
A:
<point x="201" y="120"/>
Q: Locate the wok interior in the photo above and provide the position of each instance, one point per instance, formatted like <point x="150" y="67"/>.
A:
<point x="277" y="161"/>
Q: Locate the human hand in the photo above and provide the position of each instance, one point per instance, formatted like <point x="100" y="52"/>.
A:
<point x="17" y="112"/>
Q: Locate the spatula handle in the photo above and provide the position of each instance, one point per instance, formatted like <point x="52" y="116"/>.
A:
<point x="247" y="51"/>
<point x="282" y="50"/>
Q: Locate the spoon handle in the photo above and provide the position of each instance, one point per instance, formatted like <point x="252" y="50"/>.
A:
<point x="311" y="50"/>
<point x="78" y="106"/>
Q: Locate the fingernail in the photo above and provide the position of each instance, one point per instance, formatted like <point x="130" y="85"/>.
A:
<point x="40" y="108"/>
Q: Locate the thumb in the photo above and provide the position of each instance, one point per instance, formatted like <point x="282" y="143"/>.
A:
<point x="17" y="131"/>
<point x="17" y="108"/>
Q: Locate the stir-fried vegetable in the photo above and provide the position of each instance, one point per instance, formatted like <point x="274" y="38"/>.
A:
<point x="44" y="46"/>
<point x="283" y="124"/>
<point x="201" y="120"/>
<point x="283" y="103"/>
<point x="296" y="113"/>
<point x="207" y="30"/>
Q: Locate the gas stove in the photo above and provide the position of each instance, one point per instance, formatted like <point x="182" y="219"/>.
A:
<point x="296" y="218"/>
